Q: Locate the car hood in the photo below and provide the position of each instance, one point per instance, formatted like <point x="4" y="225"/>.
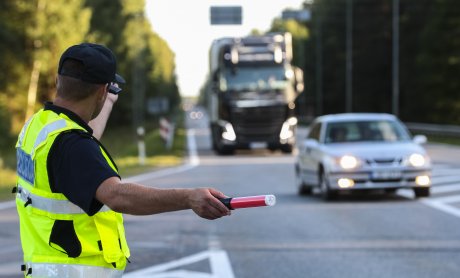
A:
<point x="374" y="149"/>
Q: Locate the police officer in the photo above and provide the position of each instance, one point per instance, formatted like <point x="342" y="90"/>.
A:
<point x="69" y="196"/>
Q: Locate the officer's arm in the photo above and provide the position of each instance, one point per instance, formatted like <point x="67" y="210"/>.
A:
<point x="98" y="124"/>
<point x="138" y="199"/>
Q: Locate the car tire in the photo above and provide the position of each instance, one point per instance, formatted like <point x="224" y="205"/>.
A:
<point x="225" y="150"/>
<point x="421" y="192"/>
<point x="287" y="148"/>
<point x="390" y="190"/>
<point x="326" y="192"/>
<point x="302" y="189"/>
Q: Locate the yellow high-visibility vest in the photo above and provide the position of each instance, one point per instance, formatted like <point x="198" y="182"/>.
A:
<point x="58" y="238"/>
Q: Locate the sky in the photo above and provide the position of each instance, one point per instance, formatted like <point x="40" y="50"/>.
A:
<point x="185" y="26"/>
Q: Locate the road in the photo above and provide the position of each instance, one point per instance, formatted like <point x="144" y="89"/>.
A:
<point x="371" y="235"/>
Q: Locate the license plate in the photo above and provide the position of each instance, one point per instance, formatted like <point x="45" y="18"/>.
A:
<point x="386" y="175"/>
<point x="258" y="145"/>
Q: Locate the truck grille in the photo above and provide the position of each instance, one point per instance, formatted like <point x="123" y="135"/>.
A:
<point x="261" y="124"/>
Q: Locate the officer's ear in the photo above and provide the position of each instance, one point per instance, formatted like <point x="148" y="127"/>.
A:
<point x="102" y="92"/>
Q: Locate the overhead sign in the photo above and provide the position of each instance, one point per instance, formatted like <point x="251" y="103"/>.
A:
<point x="157" y="105"/>
<point x="226" y="15"/>
<point x="300" y="15"/>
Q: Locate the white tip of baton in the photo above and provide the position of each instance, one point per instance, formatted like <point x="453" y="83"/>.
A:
<point x="270" y="200"/>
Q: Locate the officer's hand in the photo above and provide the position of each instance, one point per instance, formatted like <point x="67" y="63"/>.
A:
<point x="112" y="97"/>
<point x="204" y="202"/>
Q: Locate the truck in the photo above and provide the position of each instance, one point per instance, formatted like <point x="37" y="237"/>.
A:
<point x="251" y="93"/>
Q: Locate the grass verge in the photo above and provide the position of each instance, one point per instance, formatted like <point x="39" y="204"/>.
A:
<point x="444" y="139"/>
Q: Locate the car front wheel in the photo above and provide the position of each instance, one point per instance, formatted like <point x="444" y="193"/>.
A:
<point x="302" y="189"/>
<point x="326" y="192"/>
<point x="421" y="192"/>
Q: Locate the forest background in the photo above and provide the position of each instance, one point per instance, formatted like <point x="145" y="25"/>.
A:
<point x="33" y="34"/>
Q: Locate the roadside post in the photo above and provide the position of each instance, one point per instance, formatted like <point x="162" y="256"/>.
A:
<point x="141" y="144"/>
<point x="167" y="132"/>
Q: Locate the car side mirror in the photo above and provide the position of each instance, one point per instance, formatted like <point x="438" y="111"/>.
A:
<point x="310" y="143"/>
<point x="420" y="139"/>
<point x="215" y="81"/>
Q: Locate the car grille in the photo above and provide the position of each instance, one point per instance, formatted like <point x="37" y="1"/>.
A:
<point x="258" y="123"/>
<point x="384" y="161"/>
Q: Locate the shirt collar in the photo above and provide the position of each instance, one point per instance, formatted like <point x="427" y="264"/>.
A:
<point x="71" y="115"/>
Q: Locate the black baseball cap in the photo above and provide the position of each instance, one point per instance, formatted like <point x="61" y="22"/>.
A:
<point x="99" y="64"/>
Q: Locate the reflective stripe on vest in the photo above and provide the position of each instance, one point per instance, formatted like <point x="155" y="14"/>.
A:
<point x="71" y="270"/>
<point x="102" y="250"/>
<point x="23" y="132"/>
<point x="51" y="205"/>
<point x="25" y="163"/>
<point x="49" y="128"/>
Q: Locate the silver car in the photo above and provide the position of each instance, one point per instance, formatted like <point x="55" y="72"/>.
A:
<point x="355" y="151"/>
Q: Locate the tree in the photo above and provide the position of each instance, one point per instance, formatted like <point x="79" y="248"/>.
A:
<point x="429" y="57"/>
<point x="38" y="31"/>
<point x="144" y="59"/>
<point x="429" y="38"/>
<point x="55" y="25"/>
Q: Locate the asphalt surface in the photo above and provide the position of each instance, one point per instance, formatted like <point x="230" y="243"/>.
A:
<point x="364" y="235"/>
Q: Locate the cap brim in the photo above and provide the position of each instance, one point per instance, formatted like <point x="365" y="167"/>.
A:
<point x="119" y="79"/>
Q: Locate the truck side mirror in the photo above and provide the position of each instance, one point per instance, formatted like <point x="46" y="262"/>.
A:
<point x="298" y="80"/>
<point x="215" y="81"/>
<point x="215" y="76"/>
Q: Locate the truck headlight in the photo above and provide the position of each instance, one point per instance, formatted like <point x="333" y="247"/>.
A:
<point x="228" y="133"/>
<point x="287" y="131"/>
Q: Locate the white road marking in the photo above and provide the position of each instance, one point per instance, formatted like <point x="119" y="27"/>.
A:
<point x="7" y="205"/>
<point x="445" y="188"/>
<point x="439" y="203"/>
<point x="219" y="263"/>
<point x="445" y="179"/>
<point x="448" y="199"/>
<point x="178" y="274"/>
<point x="442" y="206"/>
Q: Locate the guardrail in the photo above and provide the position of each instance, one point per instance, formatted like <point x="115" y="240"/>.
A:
<point x="434" y="129"/>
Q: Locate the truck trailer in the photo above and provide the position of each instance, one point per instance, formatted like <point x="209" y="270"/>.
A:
<point x="251" y="93"/>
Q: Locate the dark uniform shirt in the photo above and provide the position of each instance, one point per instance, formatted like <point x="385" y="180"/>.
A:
<point x="76" y="166"/>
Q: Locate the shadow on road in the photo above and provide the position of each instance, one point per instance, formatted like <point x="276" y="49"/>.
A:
<point x="375" y="196"/>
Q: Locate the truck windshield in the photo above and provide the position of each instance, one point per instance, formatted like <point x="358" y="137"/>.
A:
<point x="255" y="78"/>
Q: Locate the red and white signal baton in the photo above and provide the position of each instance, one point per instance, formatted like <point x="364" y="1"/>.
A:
<point x="249" y="202"/>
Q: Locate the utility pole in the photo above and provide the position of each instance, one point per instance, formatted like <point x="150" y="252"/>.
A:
<point x="349" y="58"/>
<point x="395" y="61"/>
<point x="319" y="66"/>
<point x="138" y="87"/>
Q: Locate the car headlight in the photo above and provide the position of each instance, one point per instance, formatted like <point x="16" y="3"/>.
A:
<point x="417" y="160"/>
<point x="348" y="162"/>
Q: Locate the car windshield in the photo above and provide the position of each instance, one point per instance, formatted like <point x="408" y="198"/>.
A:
<point x="358" y="131"/>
